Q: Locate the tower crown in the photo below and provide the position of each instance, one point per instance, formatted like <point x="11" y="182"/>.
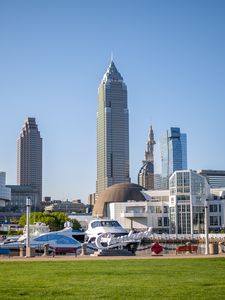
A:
<point x="112" y="74"/>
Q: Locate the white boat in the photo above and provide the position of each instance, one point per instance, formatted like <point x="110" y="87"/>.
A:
<point x="35" y="230"/>
<point x="63" y="239"/>
<point x="56" y="240"/>
<point x="78" y="235"/>
<point x="106" y="226"/>
<point x="105" y="229"/>
<point x="42" y="230"/>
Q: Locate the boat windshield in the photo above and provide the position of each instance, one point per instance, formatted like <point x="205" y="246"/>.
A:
<point x="107" y="223"/>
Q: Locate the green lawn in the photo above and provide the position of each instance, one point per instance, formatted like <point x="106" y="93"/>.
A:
<point x="114" y="279"/>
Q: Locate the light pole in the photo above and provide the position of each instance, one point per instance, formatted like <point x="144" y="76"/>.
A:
<point x="28" y="205"/>
<point x="206" y="229"/>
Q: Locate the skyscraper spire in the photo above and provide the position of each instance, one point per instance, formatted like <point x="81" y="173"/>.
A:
<point x="146" y="173"/>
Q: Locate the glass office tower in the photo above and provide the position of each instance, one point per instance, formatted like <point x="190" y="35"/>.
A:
<point x="112" y="131"/>
<point x="188" y="194"/>
<point x="173" y="150"/>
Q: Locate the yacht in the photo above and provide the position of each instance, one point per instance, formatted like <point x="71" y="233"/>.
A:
<point x="78" y="235"/>
<point x="100" y="226"/>
<point x="65" y="238"/>
<point x="54" y="239"/>
<point x="108" y="228"/>
<point x="35" y="230"/>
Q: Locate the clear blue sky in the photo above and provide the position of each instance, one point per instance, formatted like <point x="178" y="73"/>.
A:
<point x="53" y="55"/>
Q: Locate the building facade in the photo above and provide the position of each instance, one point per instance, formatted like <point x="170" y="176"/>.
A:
<point x="139" y="215"/>
<point x="91" y="201"/>
<point x="215" y="178"/>
<point x="67" y="207"/>
<point x="173" y="152"/>
<point x="5" y="192"/>
<point x="146" y="173"/>
<point x="29" y="157"/>
<point x="180" y="210"/>
<point x="112" y="131"/>
<point x="19" y="194"/>
<point x="216" y="207"/>
<point x="189" y="192"/>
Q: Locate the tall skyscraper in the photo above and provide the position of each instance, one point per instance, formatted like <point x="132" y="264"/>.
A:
<point x="146" y="173"/>
<point x="29" y="157"/>
<point x="173" y="150"/>
<point x="112" y="131"/>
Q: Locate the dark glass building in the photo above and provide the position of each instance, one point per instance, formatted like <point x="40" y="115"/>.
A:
<point x="173" y="152"/>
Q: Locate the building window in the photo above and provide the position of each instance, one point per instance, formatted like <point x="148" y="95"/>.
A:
<point x="158" y="209"/>
<point x="183" y="197"/>
<point x="166" y="221"/>
<point x="152" y="209"/>
<point x="213" y="208"/>
<point x="186" y="179"/>
<point x="159" y="221"/>
<point x="213" y="221"/>
<point x="165" y="209"/>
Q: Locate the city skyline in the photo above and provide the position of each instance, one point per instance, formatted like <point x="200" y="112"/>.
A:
<point x="52" y="58"/>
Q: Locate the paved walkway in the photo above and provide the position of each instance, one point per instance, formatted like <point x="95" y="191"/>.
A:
<point x="88" y="257"/>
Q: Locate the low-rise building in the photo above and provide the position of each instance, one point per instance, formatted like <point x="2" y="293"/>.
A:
<point x="179" y="210"/>
<point x="215" y="178"/>
<point x="19" y="194"/>
<point x="67" y="206"/>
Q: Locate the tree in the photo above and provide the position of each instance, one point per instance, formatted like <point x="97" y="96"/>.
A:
<point x="54" y="220"/>
<point x="75" y="224"/>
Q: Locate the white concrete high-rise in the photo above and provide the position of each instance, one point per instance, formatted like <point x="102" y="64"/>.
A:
<point x="29" y="157"/>
<point x="112" y="131"/>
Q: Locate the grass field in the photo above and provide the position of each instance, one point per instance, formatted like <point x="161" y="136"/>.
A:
<point x="114" y="279"/>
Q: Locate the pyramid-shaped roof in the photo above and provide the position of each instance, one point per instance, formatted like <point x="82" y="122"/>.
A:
<point x="112" y="73"/>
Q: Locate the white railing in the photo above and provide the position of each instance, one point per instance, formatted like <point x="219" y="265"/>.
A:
<point x="165" y="236"/>
<point x="133" y="214"/>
